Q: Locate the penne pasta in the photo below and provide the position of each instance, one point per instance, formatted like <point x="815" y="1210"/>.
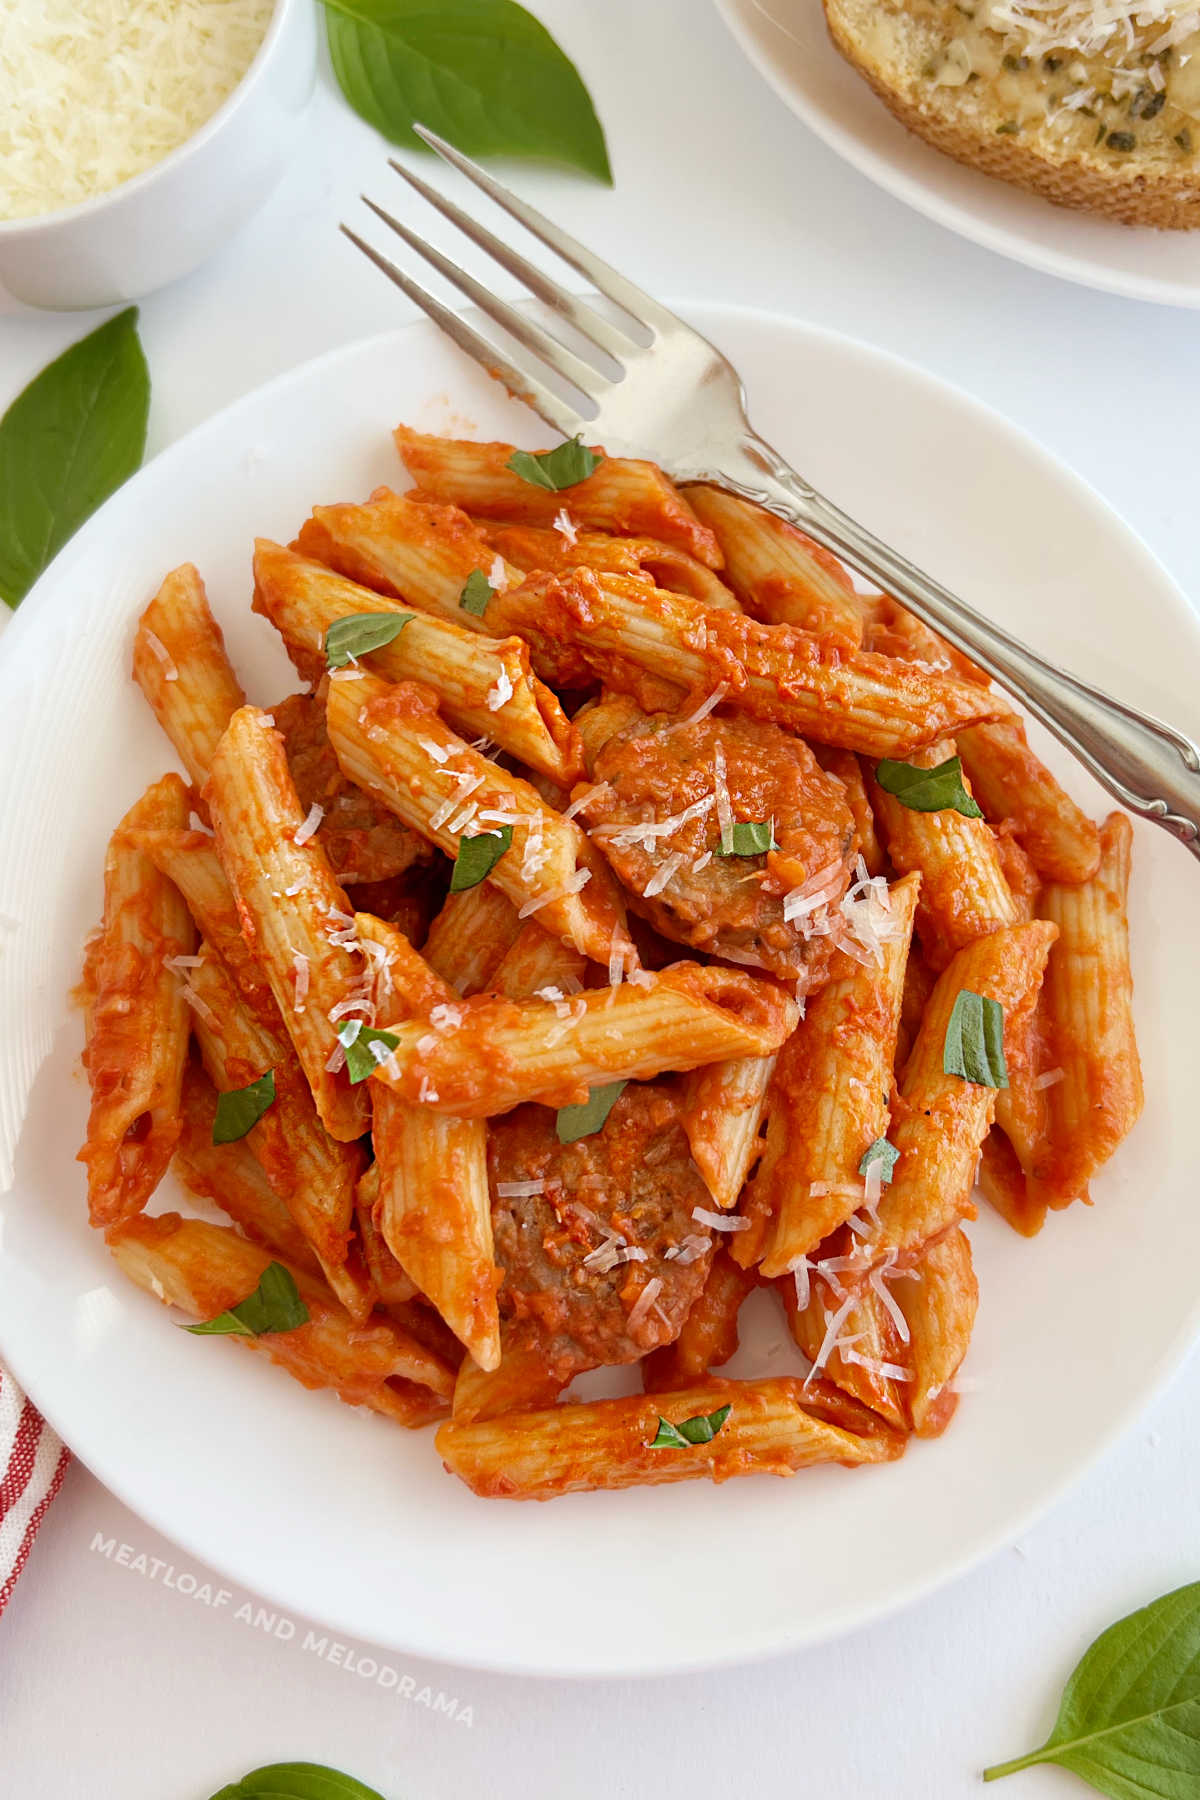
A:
<point x="520" y="1382"/>
<point x="940" y="1310"/>
<point x="622" y="630"/>
<point x="206" y="1269"/>
<point x="778" y="574"/>
<point x="725" y="1105"/>
<point x="293" y="912"/>
<point x="533" y="547"/>
<point x="503" y="1052"/>
<point x="535" y="963"/>
<point x="621" y="495"/>
<point x="710" y="1332"/>
<point x="868" y="1359"/>
<point x="231" y="1177"/>
<point x="829" y="1102"/>
<point x="1003" y="1185"/>
<point x="433" y="1207"/>
<point x="943" y="1119"/>
<point x="390" y="740"/>
<point x="189" y="860"/>
<point x="484" y="685"/>
<point x="179" y="662"/>
<point x="849" y="771"/>
<point x="1088" y="1019"/>
<point x="137" y="1019"/>
<point x="773" y="1428"/>
<point x="471" y="936"/>
<point x="393" y="1288"/>
<point x="313" y="1173"/>
<point x="1011" y="783"/>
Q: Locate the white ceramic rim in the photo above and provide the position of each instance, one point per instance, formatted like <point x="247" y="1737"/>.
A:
<point x="1082" y="270"/>
<point x="756" y="1645"/>
<point x="95" y="203"/>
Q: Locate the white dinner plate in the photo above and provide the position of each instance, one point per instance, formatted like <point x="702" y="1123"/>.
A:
<point x="333" y="1513"/>
<point x="788" y="43"/>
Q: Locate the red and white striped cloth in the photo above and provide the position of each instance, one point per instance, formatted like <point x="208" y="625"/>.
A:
<point x="33" y="1461"/>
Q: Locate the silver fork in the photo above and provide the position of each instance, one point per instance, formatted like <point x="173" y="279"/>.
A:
<point x="674" y="398"/>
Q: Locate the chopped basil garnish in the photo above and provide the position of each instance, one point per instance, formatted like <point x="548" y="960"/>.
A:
<point x="748" y="838"/>
<point x="359" y="633"/>
<point x="356" y="1040"/>
<point x="575" y="1122"/>
<point x="700" y="1430"/>
<point x="974" y="1046"/>
<point x="883" y="1153"/>
<point x="240" y="1110"/>
<point x="555" y="469"/>
<point x="478" y="856"/>
<point x="477" y="591"/>
<point x="275" y="1305"/>
<point x="927" y="790"/>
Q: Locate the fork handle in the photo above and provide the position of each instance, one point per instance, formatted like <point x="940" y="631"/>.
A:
<point x="1149" y="767"/>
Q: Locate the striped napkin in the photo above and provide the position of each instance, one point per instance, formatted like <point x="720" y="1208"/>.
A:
<point x="33" y="1461"/>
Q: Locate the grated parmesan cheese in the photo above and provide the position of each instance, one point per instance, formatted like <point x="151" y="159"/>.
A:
<point x="93" y="92"/>
<point x="312" y="820"/>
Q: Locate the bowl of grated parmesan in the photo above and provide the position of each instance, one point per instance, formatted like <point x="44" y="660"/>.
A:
<point x="137" y="135"/>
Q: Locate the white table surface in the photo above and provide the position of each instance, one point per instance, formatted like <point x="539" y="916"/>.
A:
<point x="113" y="1678"/>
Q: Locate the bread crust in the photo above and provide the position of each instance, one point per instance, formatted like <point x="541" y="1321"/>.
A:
<point x="1131" y="196"/>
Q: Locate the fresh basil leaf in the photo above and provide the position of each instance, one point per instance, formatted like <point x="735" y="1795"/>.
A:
<point x="574" y="1122"/>
<point x="974" y="1045"/>
<point x="240" y="1110"/>
<point x="359" y="633"/>
<point x="477" y="591"/>
<point x="555" y="469"/>
<point x="747" y="838"/>
<point x="66" y="443"/>
<point x="1129" y="1722"/>
<point x="477" y="857"/>
<point x="297" y="1781"/>
<point x="356" y="1040"/>
<point x="275" y="1305"/>
<point x="941" y="789"/>
<point x="483" y="73"/>
<point x="700" y="1430"/>
<point x="883" y="1153"/>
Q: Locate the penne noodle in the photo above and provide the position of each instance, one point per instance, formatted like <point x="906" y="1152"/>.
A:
<point x="179" y="662"/>
<point x="849" y="771"/>
<point x="390" y="741"/>
<point x="535" y="961"/>
<point x="869" y="1359"/>
<point x="1011" y="783"/>
<point x="189" y="860"/>
<point x="942" y="1119"/>
<point x="293" y="911"/>
<point x="205" y="1269"/>
<point x="778" y="574"/>
<point x="1024" y="883"/>
<point x="471" y="936"/>
<point x="484" y="685"/>
<point x="940" y="1310"/>
<point x="433" y="1207"/>
<point x="137" y="1018"/>
<point x="710" y="1332"/>
<point x="1088" y="1018"/>
<point x="392" y="1286"/>
<point x="963" y="890"/>
<point x="533" y="547"/>
<point x="313" y="1174"/>
<point x="724" y="1110"/>
<point x="1003" y="1184"/>
<point x="829" y="1101"/>
<point x="621" y="495"/>
<point x="231" y="1177"/>
<point x="919" y="981"/>
<point x="520" y="1382"/>
<point x="506" y="1051"/>
<point x="773" y="1428"/>
<point x="621" y="630"/>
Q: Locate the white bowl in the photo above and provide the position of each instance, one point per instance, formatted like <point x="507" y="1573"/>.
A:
<point x="166" y="221"/>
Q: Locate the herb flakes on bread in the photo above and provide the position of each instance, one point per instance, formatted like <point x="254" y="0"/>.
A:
<point x="1091" y="103"/>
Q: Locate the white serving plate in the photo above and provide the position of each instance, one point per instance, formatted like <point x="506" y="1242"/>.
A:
<point x="788" y="43"/>
<point x="337" y="1515"/>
